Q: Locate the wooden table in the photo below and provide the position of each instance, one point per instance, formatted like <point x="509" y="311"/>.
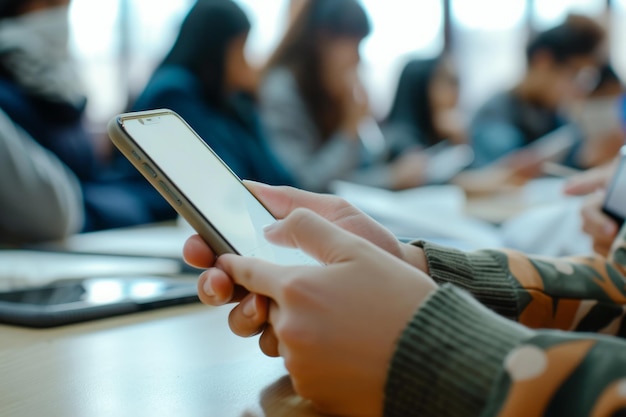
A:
<point x="180" y="362"/>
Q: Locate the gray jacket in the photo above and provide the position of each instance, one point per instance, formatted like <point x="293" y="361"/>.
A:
<point x="40" y="199"/>
<point x="296" y="141"/>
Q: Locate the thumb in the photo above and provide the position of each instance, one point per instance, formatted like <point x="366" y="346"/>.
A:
<point x="315" y="235"/>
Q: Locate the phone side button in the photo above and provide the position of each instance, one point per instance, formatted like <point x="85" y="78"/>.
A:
<point x="170" y="193"/>
<point x="149" y="170"/>
<point x="135" y="155"/>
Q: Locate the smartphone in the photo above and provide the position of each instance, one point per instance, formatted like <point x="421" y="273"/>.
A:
<point x="78" y="300"/>
<point x="615" y="202"/>
<point x="199" y="185"/>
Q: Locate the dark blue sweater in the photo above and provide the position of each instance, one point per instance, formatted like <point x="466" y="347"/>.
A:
<point x="111" y="198"/>
<point x="234" y="132"/>
<point x="56" y="126"/>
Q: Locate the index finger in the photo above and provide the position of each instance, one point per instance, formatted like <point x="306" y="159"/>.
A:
<point x="596" y="222"/>
<point x="591" y="180"/>
<point x="584" y="184"/>
<point x="282" y="201"/>
<point x="254" y="274"/>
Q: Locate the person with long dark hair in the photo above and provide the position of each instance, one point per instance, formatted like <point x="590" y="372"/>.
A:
<point x="424" y="107"/>
<point x="206" y="79"/>
<point x="314" y="105"/>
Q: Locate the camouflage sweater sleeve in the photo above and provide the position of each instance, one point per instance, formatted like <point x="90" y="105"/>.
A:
<point x="586" y="293"/>
<point x="458" y="358"/>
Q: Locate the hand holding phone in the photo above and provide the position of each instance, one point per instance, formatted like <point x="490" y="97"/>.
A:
<point x="199" y="185"/>
<point x="615" y="202"/>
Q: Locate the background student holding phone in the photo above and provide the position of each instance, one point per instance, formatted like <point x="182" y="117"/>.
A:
<point x="558" y="60"/>
<point x="599" y="225"/>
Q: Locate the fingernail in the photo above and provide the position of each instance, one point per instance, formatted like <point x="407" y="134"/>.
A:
<point x="207" y="288"/>
<point x="256" y="183"/>
<point x="272" y="227"/>
<point x="249" y="307"/>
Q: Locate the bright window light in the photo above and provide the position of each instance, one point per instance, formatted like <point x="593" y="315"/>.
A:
<point x="92" y="28"/>
<point x="489" y="14"/>
<point x="157" y="24"/>
<point x="269" y="21"/>
<point x="618" y="52"/>
<point x="403" y="26"/>
<point x="402" y="29"/>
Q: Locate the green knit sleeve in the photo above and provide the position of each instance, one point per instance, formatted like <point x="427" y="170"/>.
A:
<point x="457" y="358"/>
<point x="584" y="293"/>
<point x="449" y="357"/>
<point x="484" y="274"/>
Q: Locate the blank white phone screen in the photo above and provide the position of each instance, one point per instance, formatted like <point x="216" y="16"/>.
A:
<point x="211" y="187"/>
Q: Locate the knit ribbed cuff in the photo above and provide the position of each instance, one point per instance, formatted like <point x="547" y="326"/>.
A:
<point x="484" y="274"/>
<point x="449" y="357"/>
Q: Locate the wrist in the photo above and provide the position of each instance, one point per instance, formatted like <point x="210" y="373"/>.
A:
<point x="415" y="256"/>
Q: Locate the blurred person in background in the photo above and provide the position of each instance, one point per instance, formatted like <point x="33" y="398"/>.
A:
<point x="600" y="118"/>
<point x="207" y="80"/>
<point x="314" y="104"/>
<point x="424" y="111"/>
<point x="558" y="62"/>
<point x="39" y="88"/>
<point x="43" y="99"/>
<point x="40" y="197"/>
<point x="603" y="114"/>
<point x="598" y="225"/>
